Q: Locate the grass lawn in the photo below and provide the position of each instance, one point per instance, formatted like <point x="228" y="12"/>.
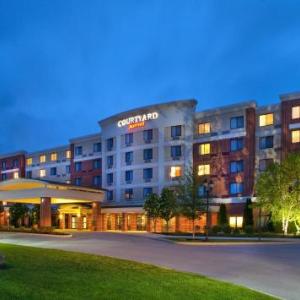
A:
<point x="34" y="273"/>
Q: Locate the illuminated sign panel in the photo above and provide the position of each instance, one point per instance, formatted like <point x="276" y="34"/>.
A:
<point x="138" y="120"/>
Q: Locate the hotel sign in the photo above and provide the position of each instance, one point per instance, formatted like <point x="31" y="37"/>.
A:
<point x="138" y="120"/>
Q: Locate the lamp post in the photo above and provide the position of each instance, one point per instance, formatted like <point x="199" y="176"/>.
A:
<point x="208" y="186"/>
<point x="7" y="216"/>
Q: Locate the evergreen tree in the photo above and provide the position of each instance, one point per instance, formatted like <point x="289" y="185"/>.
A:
<point x="222" y="217"/>
<point x="248" y="214"/>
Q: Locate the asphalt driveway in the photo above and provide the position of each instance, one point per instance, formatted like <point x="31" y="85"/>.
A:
<point x="270" y="268"/>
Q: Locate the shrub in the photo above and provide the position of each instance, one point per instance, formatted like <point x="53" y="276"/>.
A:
<point x="226" y="229"/>
<point x="249" y="229"/>
<point x="216" y="229"/>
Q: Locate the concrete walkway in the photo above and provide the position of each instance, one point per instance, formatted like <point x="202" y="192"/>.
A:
<point x="270" y="268"/>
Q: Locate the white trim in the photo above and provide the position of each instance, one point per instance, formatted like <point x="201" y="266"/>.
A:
<point x="294" y="126"/>
<point x="220" y="137"/>
<point x="10" y="171"/>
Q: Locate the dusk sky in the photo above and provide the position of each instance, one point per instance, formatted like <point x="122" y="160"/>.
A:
<point x="65" y="65"/>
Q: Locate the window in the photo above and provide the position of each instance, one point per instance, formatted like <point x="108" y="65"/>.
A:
<point x="201" y="191"/>
<point x="3" y="176"/>
<point x="176" y="131"/>
<point x="236" y="222"/>
<point x="97" y="164"/>
<point x="78" y="166"/>
<point x="203" y="170"/>
<point x="236" y="144"/>
<point x="42" y="158"/>
<point x="204" y="149"/>
<point x="128" y="194"/>
<point x="237" y="122"/>
<point x="15" y="163"/>
<point x="295" y="136"/>
<point x="3" y="165"/>
<point x="266" y="120"/>
<point x="236" y="166"/>
<point x="110" y="178"/>
<point x="110" y="195"/>
<point x="68" y="169"/>
<point x="110" y="161"/>
<point x="264" y="164"/>
<point x="204" y="128"/>
<point x="110" y="144"/>
<point x="176" y="151"/>
<point x="128" y="139"/>
<point x="29" y="161"/>
<point x="28" y="174"/>
<point x="42" y="173"/>
<point x="68" y="154"/>
<point x="16" y="175"/>
<point x="175" y="171"/>
<point x="97" y="147"/>
<point x="266" y="142"/>
<point x="53" y="171"/>
<point x="97" y="181"/>
<point x="147" y="191"/>
<point x="296" y="112"/>
<point x="53" y="156"/>
<point x="148" y="135"/>
<point x="78" y="150"/>
<point x="147" y="174"/>
<point x="128" y="176"/>
<point x="129" y="158"/>
<point x="78" y="181"/>
<point x="148" y="154"/>
<point x="236" y="188"/>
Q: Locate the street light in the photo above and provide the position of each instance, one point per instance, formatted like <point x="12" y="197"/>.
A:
<point x="208" y="186"/>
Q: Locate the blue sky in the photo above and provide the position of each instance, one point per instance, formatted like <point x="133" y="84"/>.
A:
<point x="64" y="65"/>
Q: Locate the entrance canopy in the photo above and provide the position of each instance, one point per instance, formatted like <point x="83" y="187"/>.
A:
<point x="30" y="191"/>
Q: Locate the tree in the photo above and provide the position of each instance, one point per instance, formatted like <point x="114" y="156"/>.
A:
<point x="278" y="190"/>
<point x="152" y="208"/>
<point x="167" y="205"/>
<point x="17" y="212"/>
<point x="35" y="214"/>
<point x="222" y="217"/>
<point x="248" y="214"/>
<point x="189" y="201"/>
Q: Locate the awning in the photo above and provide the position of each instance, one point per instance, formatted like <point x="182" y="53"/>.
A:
<point x="31" y="191"/>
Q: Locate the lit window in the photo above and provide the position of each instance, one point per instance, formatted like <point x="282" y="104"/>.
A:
<point x="204" y="128"/>
<point x="29" y="161"/>
<point x="296" y="112"/>
<point x="176" y="171"/>
<point x="204" y="149"/>
<point x="203" y="170"/>
<point x="68" y="154"/>
<point x="236" y="222"/>
<point x="53" y="156"/>
<point x="296" y="136"/>
<point x="16" y="175"/>
<point x="42" y="158"/>
<point x="129" y="194"/>
<point x="265" y="120"/>
<point x="42" y="173"/>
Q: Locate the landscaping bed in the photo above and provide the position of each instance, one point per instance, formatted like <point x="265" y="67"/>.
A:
<point x="34" y="273"/>
<point x="48" y="231"/>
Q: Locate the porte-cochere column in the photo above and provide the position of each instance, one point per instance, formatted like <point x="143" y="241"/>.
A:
<point x="45" y="212"/>
<point x="96" y="216"/>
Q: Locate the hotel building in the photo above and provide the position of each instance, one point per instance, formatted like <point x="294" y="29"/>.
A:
<point x="143" y="150"/>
